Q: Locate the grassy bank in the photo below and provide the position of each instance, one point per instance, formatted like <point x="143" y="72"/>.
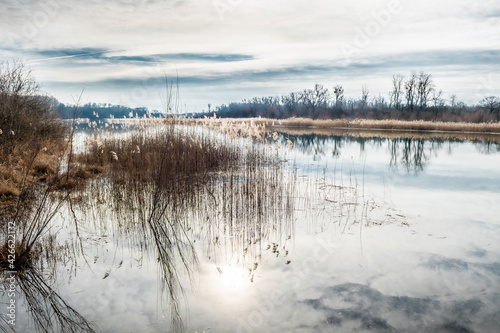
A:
<point x="357" y="124"/>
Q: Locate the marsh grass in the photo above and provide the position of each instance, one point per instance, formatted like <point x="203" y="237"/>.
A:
<point x="356" y="124"/>
<point x="158" y="187"/>
<point x="416" y="125"/>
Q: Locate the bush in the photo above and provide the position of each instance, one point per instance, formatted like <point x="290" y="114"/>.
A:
<point x="25" y="116"/>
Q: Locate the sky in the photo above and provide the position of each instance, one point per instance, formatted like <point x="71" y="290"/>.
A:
<point x="221" y="51"/>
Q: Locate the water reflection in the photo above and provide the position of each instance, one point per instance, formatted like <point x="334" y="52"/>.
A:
<point x="49" y="312"/>
<point x="156" y="207"/>
<point x="231" y="214"/>
<point x="362" y="308"/>
<point x="262" y="229"/>
<point x="408" y="154"/>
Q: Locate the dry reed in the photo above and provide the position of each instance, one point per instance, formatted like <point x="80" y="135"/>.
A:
<point x="355" y="124"/>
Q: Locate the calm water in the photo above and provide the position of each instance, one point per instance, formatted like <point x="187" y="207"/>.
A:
<point x="387" y="235"/>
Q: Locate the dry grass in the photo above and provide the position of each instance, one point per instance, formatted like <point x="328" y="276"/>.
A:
<point x="393" y="134"/>
<point x="26" y="165"/>
<point x="172" y="158"/>
<point x="355" y="124"/>
<point x="416" y="125"/>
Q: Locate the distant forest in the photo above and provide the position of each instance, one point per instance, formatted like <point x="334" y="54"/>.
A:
<point x="412" y="97"/>
<point x="96" y="111"/>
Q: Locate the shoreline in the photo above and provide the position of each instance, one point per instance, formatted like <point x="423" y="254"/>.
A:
<point x="361" y="127"/>
<point x="416" y="126"/>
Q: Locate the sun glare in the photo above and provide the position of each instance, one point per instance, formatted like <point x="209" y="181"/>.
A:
<point x="232" y="276"/>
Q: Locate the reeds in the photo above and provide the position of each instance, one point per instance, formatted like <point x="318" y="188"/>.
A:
<point x="356" y="124"/>
<point x="160" y="186"/>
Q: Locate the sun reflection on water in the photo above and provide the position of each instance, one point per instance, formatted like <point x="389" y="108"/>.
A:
<point x="231" y="276"/>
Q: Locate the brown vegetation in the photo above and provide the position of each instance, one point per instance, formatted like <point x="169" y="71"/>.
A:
<point x="355" y="124"/>
<point x="32" y="139"/>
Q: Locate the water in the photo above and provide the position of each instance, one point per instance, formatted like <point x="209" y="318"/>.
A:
<point x="388" y="235"/>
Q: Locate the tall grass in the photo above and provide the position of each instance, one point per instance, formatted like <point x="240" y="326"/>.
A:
<point x="355" y="124"/>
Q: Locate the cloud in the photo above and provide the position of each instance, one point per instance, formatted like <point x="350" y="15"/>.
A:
<point x="282" y="44"/>
<point x="205" y="57"/>
<point x="467" y="59"/>
<point x="108" y="56"/>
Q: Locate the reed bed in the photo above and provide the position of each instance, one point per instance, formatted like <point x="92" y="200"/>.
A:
<point x="160" y="190"/>
<point x="356" y="124"/>
<point x="391" y="135"/>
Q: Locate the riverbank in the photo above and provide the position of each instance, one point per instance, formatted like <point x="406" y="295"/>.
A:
<point x="360" y="124"/>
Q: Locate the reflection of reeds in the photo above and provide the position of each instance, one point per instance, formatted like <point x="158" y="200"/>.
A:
<point x="36" y="206"/>
<point x="49" y="311"/>
<point x="166" y="185"/>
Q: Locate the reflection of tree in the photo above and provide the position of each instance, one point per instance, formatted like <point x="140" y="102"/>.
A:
<point x="313" y="144"/>
<point x="488" y="147"/>
<point x="34" y="213"/>
<point x="412" y="154"/>
<point x="409" y="153"/>
<point x="310" y="144"/>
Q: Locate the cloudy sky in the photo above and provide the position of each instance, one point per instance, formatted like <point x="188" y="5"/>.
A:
<point x="226" y="50"/>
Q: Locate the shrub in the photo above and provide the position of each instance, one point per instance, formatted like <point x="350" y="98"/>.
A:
<point x="25" y="116"/>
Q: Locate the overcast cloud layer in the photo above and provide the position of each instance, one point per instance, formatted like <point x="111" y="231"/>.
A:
<point x="226" y="50"/>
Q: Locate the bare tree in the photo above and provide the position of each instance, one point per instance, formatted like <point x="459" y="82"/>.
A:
<point x="321" y="96"/>
<point x="411" y="91"/>
<point x="397" y="91"/>
<point x="492" y="103"/>
<point x="453" y="101"/>
<point x="364" y="96"/>
<point x="291" y="102"/>
<point x="379" y="102"/>
<point x="436" y="98"/>
<point x="316" y="98"/>
<point x="338" y="90"/>
<point x="424" y="87"/>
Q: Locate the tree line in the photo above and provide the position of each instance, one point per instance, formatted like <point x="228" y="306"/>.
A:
<point x="412" y="97"/>
<point x="96" y="111"/>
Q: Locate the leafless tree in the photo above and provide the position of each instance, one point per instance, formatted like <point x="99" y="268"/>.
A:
<point x="492" y="103"/>
<point x="291" y="102"/>
<point x="411" y="91"/>
<point x="436" y="98"/>
<point x="338" y="90"/>
<point x="397" y="91"/>
<point x="425" y="87"/>
<point x="364" y="96"/>
<point x="453" y="101"/>
<point x="316" y="98"/>
<point x="379" y="102"/>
